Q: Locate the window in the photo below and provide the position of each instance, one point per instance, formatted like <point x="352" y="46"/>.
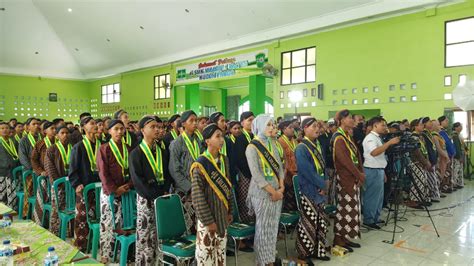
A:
<point x="162" y="87"/>
<point x="354" y="101"/>
<point x="365" y="90"/>
<point x="413" y="85"/>
<point x="305" y="92"/>
<point x="344" y="91"/>
<point x="402" y="86"/>
<point x="376" y="88"/>
<point x="354" y="90"/>
<point x="313" y="92"/>
<point x="403" y="98"/>
<point x="391" y="99"/>
<point x="365" y="101"/>
<point x="298" y="66"/>
<point x="282" y="94"/>
<point x="447" y="81"/>
<point x="448" y="96"/>
<point x="414" y="98"/>
<point x="111" y="93"/>
<point x="459" y="42"/>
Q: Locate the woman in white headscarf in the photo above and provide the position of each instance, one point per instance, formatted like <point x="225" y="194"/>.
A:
<point x="266" y="188"/>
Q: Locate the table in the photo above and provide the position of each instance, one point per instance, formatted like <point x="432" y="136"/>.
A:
<point x="4" y="209"/>
<point x="26" y="232"/>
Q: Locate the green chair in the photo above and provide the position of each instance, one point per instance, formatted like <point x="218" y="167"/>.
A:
<point x="17" y="174"/>
<point x="67" y="213"/>
<point x="238" y="230"/>
<point x="126" y="235"/>
<point x="31" y="199"/>
<point x="171" y="229"/>
<point x="46" y="201"/>
<point x="94" y="223"/>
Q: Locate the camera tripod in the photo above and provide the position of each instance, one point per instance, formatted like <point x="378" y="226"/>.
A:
<point x="396" y="192"/>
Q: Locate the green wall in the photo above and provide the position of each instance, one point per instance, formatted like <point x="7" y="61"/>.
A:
<point x="22" y="97"/>
<point x="400" y="50"/>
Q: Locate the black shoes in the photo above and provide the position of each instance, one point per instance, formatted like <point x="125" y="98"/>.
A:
<point x="373" y="226"/>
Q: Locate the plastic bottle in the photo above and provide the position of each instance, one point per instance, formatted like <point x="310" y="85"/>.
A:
<point x="7" y="252"/>
<point x="6" y="222"/>
<point x="51" y="258"/>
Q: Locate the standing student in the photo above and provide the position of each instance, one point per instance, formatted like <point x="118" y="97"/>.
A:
<point x="288" y="144"/>
<point x="37" y="162"/>
<point x="56" y="164"/>
<point x="129" y="137"/>
<point x="313" y="225"/>
<point x="244" y="174"/>
<point x="447" y="184"/>
<point x="459" y="157"/>
<point x="432" y="178"/>
<point x="19" y="132"/>
<point x="419" y="166"/>
<point x="25" y="149"/>
<point x="173" y="130"/>
<point x="266" y="189"/>
<point x="151" y="179"/>
<point x="75" y="135"/>
<point x="8" y="161"/>
<point x="82" y="172"/>
<point x="201" y="124"/>
<point x="234" y="130"/>
<point x="350" y="177"/>
<point x="212" y="199"/>
<point x="184" y="150"/>
<point x="443" y="159"/>
<point x="227" y="149"/>
<point x="112" y="165"/>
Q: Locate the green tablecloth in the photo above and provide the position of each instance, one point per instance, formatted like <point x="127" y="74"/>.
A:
<point x="39" y="239"/>
<point x="4" y="209"/>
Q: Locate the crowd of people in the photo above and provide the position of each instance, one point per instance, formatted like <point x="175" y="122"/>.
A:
<point x="341" y="166"/>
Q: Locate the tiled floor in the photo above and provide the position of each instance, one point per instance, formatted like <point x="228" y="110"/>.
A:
<point x="417" y="244"/>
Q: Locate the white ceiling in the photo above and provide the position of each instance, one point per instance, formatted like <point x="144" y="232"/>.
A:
<point x="103" y="37"/>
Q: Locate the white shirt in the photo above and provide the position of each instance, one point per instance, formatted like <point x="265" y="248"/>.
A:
<point x="370" y="143"/>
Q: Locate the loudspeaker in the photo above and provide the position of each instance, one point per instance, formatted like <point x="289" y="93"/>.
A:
<point x="320" y="91"/>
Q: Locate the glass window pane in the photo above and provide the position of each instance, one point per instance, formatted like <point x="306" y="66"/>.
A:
<point x="460" y="54"/>
<point x="298" y="58"/>
<point x="311" y="54"/>
<point x="460" y="31"/>
<point x="156" y="93"/>
<point x="117" y="98"/>
<point x="110" y="98"/>
<point x="117" y="87"/>
<point x="104" y="98"/>
<point x="162" y="92"/>
<point x="286" y="60"/>
<point x="298" y="75"/>
<point x="156" y="82"/>
<point x="310" y="73"/>
<point x="285" y="78"/>
<point x="168" y="78"/>
<point x="104" y="89"/>
<point x="168" y="92"/>
<point x="110" y="88"/>
<point x="162" y="81"/>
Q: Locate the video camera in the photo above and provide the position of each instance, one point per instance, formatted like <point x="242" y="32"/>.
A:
<point x="408" y="142"/>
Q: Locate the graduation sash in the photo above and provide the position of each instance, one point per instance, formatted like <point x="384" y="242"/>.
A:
<point x="17" y="138"/>
<point x="267" y="157"/>
<point x="121" y="158"/>
<point x="232" y="137"/>
<point x="311" y="146"/>
<point x="9" y="146"/>
<point x="47" y="142"/>
<point x="65" y="156"/>
<point x="199" y="135"/>
<point x="291" y="143"/>
<point x="247" y="135"/>
<point x="32" y="139"/>
<point x="340" y="134"/>
<point x="174" y="134"/>
<point x="128" y="139"/>
<point x="193" y="147"/>
<point x="156" y="163"/>
<point x="215" y="176"/>
<point x="91" y="154"/>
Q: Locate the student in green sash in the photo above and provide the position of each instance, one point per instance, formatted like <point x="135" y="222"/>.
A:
<point x="265" y="195"/>
<point x="82" y="172"/>
<point x="173" y="132"/>
<point x="112" y="165"/>
<point x="37" y="162"/>
<point x="56" y="164"/>
<point x="8" y="161"/>
<point x="184" y="150"/>
<point x="129" y="137"/>
<point x="150" y="179"/>
<point x="234" y="130"/>
<point x="219" y="119"/>
<point x="25" y="148"/>
<point x="202" y="122"/>
<point x="212" y="198"/>
<point x="19" y="132"/>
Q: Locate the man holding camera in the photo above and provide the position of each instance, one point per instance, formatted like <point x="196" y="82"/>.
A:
<point x="374" y="165"/>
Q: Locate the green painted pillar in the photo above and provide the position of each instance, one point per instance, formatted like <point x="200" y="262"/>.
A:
<point x="257" y="94"/>
<point x="224" y="102"/>
<point x="192" y="98"/>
